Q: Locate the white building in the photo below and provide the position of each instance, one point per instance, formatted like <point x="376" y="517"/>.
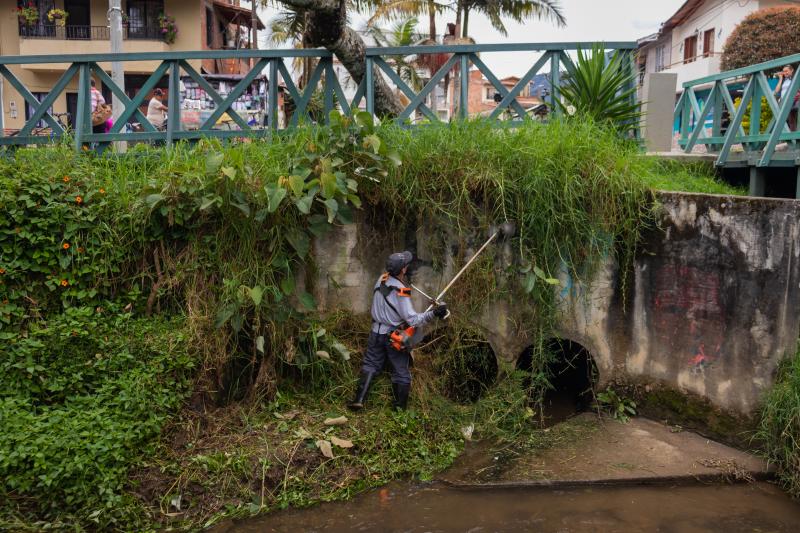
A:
<point x="691" y="41"/>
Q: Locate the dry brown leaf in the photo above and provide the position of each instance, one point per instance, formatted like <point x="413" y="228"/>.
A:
<point x="341" y="443"/>
<point x="338" y="421"/>
<point x="325" y="447"/>
<point x="322" y="354"/>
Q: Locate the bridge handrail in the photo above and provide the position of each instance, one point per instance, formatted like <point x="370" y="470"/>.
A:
<point x="744" y="71"/>
<point x="694" y="108"/>
<point x="271" y="65"/>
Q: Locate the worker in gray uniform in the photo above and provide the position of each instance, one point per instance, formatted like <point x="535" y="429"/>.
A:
<point x="391" y="309"/>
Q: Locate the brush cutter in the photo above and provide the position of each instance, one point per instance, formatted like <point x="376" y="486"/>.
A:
<point x="406" y="338"/>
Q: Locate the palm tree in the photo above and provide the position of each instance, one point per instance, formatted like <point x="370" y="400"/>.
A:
<point x="516" y="10"/>
<point x="403" y="33"/>
<point x="289" y="27"/>
<point x="387" y="9"/>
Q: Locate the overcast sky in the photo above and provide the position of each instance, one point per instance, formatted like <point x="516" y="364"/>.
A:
<point x="587" y="20"/>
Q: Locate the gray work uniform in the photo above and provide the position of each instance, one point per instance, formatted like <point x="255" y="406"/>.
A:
<point x="389" y="313"/>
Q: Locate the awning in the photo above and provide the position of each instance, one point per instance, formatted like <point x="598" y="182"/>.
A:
<point x="237" y="14"/>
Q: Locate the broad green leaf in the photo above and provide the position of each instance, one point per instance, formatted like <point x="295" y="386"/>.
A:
<point x="287" y="285"/>
<point x="332" y="207"/>
<point x="274" y="197"/>
<point x="223" y="315"/>
<point x="214" y="161"/>
<point x="299" y="241"/>
<point x="244" y="208"/>
<point x="374" y="142"/>
<point x="229" y="171"/>
<point x="297" y="183"/>
<point x="256" y="294"/>
<point x="153" y="199"/>
<point x="307" y="300"/>
<point x="328" y="181"/>
<point x="304" y="204"/>
<point x="208" y="202"/>
<point x="345" y="214"/>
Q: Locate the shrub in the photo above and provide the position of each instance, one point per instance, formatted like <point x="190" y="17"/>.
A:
<point x="82" y="398"/>
<point x="762" y="36"/>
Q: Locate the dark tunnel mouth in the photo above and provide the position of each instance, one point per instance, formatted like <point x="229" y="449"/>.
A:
<point x="572" y="374"/>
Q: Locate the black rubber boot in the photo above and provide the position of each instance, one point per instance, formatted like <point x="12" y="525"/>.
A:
<point x="400" y="392"/>
<point x="361" y="391"/>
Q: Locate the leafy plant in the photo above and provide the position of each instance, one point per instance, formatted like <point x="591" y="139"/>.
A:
<point x="762" y="36"/>
<point x="168" y="28"/>
<point x="28" y="14"/>
<point x="602" y="88"/>
<point x="58" y="16"/>
<point x="764" y="118"/>
<point x="620" y="408"/>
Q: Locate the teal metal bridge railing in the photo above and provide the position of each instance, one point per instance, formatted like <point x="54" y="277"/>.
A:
<point x="707" y="114"/>
<point x="271" y="66"/>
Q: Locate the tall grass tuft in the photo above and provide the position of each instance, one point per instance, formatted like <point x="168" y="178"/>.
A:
<point x="779" y="429"/>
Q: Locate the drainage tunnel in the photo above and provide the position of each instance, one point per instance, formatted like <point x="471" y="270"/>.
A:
<point x="571" y="373"/>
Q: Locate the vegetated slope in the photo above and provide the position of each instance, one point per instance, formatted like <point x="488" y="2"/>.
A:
<point x="123" y="276"/>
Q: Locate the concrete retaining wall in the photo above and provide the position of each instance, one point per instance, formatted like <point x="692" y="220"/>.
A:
<point x="711" y="306"/>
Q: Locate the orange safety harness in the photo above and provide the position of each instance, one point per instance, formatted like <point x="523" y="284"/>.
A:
<point x="399" y="339"/>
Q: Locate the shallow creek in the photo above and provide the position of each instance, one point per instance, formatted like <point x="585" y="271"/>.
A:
<point x="429" y="508"/>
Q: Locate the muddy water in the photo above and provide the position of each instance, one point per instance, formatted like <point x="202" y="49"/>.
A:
<point x="757" y="507"/>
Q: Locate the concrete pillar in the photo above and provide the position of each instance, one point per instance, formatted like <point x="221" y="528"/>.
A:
<point x="797" y="186"/>
<point x="658" y="107"/>
<point x="758" y="181"/>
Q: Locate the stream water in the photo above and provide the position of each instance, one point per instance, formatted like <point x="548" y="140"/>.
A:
<point x="406" y="507"/>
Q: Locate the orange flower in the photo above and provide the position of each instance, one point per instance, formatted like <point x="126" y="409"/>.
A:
<point x="81" y="249"/>
<point x="79" y="199"/>
<point x="2" y="271"/>
<point x="102" y="190"/>
<point x="66" y="179"/>
<point x="65" y="246"/>
<point x="64" y="283"/>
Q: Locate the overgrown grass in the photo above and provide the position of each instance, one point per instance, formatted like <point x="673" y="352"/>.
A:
<point x="779" y="429"/>
<point x="218" y="237"/>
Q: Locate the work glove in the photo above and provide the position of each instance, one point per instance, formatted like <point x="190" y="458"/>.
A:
<point x="440" y="311"/>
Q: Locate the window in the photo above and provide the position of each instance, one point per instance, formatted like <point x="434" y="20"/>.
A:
<point x="660" y="53"/>
<point x="489" y="96"/>
<point x="143" y="18"/>
<point x="690" y="49"/>
<point x="708" y="43"/>
<point x="29" y="111"/>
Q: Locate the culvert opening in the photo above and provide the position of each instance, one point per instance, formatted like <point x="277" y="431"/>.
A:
<point x="463" y="363"/>
<point x="571" y="373"/>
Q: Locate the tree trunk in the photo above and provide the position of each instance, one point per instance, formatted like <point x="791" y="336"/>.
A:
<point x="432" y="20"/>
<point x="327" y="27"/>
<point x="466" y="22"/>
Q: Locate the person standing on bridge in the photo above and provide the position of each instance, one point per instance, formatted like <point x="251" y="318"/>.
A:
<point x="391" y="310"/>
<point x="782" y="92"/>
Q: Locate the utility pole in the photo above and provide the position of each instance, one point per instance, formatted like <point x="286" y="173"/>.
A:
<point x="254" y="26"/>
<point x="117" y="71"/>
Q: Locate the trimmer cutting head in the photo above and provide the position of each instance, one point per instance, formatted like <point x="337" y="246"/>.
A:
<point x="504" y="231"/>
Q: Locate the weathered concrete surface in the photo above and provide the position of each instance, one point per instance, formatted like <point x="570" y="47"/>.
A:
<point x="711" y="307"/>
<point x="591" y="450"/>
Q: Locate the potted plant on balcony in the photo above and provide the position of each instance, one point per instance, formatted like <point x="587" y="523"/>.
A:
<point x="57" y="17"/>
<point x="169" y="30"/>
<point x="28" y="14"/>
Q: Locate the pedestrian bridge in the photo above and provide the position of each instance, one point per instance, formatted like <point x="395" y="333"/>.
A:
<point x="453" y="61"/>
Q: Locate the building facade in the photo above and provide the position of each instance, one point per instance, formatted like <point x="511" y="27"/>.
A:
<point x="690" y="42"/>
<point x="201" y="25"/>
